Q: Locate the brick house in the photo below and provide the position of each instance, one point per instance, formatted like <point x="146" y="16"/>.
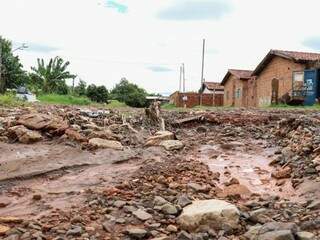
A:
<point x="238" y="90"/>
<point x="212" y="88"/>
<point x="284" y="76"/>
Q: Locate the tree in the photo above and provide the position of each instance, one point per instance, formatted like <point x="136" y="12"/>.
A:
<point x="81" y="88"/>
<point x="11" y="73"/>
<point x="97" y="93"/>
<point x="129" y="93"/>
<point x="52" y="77"/>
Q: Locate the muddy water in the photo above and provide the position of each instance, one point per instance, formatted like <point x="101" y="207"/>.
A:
<point x="248" y="163"/>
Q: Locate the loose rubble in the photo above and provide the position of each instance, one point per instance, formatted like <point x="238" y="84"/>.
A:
<point x="180" y="183"/>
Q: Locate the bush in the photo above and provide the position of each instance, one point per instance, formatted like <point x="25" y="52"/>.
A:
<point x="64" y="99"/>
<point x="9" y="99"/>
<point x="97" y="93"/>
<point x="130" y="94"/>
<point x="81" y="88"/>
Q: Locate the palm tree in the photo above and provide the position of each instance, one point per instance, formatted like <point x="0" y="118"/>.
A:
<point x="49" y="77"/>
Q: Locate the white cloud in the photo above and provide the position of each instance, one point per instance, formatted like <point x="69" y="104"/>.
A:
<point x="104" y="45"/>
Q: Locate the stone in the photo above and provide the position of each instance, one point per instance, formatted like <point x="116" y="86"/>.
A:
<point x="259" y="216"/>
<point x="137" y="233"/>
<point x="36" y="197"/>
<point x="216" y="214"/>
<point x="232" y="181"/>
<point x="159" y="137"/>
<point x="119" y="203"/>
<point x="305" y="236"/>
<point x="169" y="209"/>
<point x="277" y="235"/>
<point x="183" y="201"/>
<point x="4" y="202"/>
<point x="171" y="145"/>
<point x="159" y="201"/>
<point x="39" y="121"/>
<point x="142" y="215"/>
<point x="75" y="136"/>
<point x="183" y="235"/>
<point x="11" y="220"/>
<point x="3" y="229"/>
<point x="315" y="205"/>
<point x="24" y="135"/>
<point x="108" y="227"/>
<point x="75" y="231"/>
<point x="172" y="228"/>
<point x="102" y="143"/>
<point x="282" y="173"/>
<point x="197" y="187"/>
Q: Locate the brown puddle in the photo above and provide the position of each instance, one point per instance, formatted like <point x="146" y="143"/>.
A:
<point x="249" y="165"/>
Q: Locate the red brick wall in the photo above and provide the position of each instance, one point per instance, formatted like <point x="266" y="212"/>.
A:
<point x="281" y="69"/>
<point x="229" y="91"/>
<point x="193" y="99"/>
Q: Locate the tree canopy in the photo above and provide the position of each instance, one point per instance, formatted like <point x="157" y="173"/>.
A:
<point x="51" y="77"/>
<point x="129" y="93"/>
<point x="97" y="93"/>
<point x="11" y="73"/>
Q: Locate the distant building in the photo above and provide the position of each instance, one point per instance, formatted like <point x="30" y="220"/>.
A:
<point x="236" y="88"/>
<point x="212" y="87"/>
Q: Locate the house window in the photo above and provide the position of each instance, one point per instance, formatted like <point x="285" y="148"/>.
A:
<point x="298" y="80"/>
<point x="238" y="93"/>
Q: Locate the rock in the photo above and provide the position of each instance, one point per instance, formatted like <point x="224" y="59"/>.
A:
<point x="159" y="137"/>
<point x="142" y="215"/>
<point x="104" y="134"/>
<point x="38" y="121"/>
<point x="232" y="181"/>
<point x="171" y="145"/>
<point x="197" y="187"/>
<point x="216" y="214"/>
<point x="102" y="143"/>
<point x="11" y="220"/>
<point x="183" y="201"/>
<point x="183" y="235"/>
<point x="315" y="205"/>
<point x="3" y="229"/>
<point x="169" y="209"/>
<point x="159" y="201"/>
<point x="137" y="233"/>
<point x="277" y="235"/>
<point x="75" y="136"/>
<point x="172" y="228"/>
<point x="36" y="197"/>
<point x="305" y="236"/>
<point x="119" y="203"/>
<point x="24" y="135"/>
<point x="4" y="202"/>
<point x="108" y="227"/>
<point x="259" y="216"/>
<point x="282" y="173"/>
<point x="75" y="231"/>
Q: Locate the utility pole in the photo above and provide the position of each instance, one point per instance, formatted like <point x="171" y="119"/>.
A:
<point x="202" y="69"/>
<point x="184" y="78"/>
<point x="180" y="79"/>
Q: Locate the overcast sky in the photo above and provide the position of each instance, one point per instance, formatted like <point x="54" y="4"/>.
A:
<point x="147" y="40"/>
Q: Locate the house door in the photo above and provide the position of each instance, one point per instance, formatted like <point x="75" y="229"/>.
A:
<point x="310" y="83"/>
<point x="275" y="91"/>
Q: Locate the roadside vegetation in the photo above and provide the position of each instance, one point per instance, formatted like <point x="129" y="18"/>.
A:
<point x="10" y="100"/>
<point x="47" y="80"/>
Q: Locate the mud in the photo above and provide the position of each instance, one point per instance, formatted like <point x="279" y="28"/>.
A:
<point x="225" y="156"/>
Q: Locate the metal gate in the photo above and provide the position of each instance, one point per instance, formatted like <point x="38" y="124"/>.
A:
<point x="310" y="83"/>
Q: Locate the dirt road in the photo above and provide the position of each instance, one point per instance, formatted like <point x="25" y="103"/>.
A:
<point x="61" y="186"/>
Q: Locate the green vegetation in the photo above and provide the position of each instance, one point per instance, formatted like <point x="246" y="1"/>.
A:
<point x="12" y="74"/>
<point x="51" y="77"/>
<point x="64" y="99"/>
<point x="129" y="93"/>
<point x="116" y="104"/>
<point x="10" y="100"/>
<point x="97" y="93"/>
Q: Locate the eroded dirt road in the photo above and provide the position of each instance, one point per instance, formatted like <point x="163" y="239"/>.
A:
<point x="65" y="185"/>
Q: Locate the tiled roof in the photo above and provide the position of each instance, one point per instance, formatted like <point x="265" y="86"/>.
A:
<point x="300" y="57"/>
<point x="213" y="85"/>
<point x="241" y="74"/>
<point x="297" y="56"/>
